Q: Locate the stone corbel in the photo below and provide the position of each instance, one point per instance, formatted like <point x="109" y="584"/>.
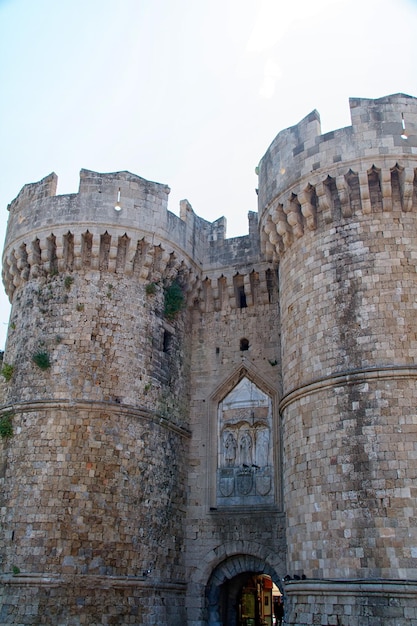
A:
<point x="112" y="255"/>
<point x="95" y="251"/>
<point x="59" y="251"/>
<point x="163" y="262"/>
<point x="342" y="191"/>
<point x="386" y="189"/>
<point x="282" y="227"/>
<point x="130" y="259"/>
<point x="324" y="201"/>
<point x="12" y="262"/>
<point x="22" y="262"/>
<point x="248" y="290"/>
<point x="147" y="264"/>
<point x="407" y="188"/>
<point x="273" y="242"/>
<point x="34" y="258"/>
<point x="308" y="209"/>
<point x="365" y="194"/>
<point x="293" y="212"/>
<point x="206" y="300"/>
<point x="77" y="251"/>
<point x="7" y="279"/>
<point x="45" y="256"/>
<point x="193" y="287"/>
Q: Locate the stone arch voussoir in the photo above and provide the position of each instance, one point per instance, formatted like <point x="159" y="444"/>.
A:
<point x="235" y="557"/>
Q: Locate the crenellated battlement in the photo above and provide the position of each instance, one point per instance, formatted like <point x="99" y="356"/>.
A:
<point x="116" y="252"/>
<point x="146" y="259"/>
<point x="178" y="406"/>
<point x="116" y="222"/>
<point x="120" y="201"/>
<point x="119" y="223"/>
<point x="306" y="177"/>
<point x="342" y="193"/>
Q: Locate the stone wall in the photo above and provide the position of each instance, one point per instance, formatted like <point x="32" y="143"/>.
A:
<point x="90" y="489"/>
<point x="39" y="600"/>
<point x="348" y="414"/>
<point x="227" y="535"/>
<point x="341" y="227"/>
<point x="94" y="477"/>
<point x="189" y="410"/>
<point x="351" y="602"/>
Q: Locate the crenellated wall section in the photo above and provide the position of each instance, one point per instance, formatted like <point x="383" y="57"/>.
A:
<point x="307" y="179"/>
<point x="117" y="493"/>
<point x="49" y="234"/>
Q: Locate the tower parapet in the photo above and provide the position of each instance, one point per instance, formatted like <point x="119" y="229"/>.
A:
<point x="148" y="358"/>
<point x="306" y="178"/>
<point x="117" y="222"/>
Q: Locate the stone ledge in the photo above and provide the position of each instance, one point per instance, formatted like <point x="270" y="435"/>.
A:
<point x="352" y="377"/>
<point x="349" y="587"/>
<point x="98" y="582"/>
<point x="251" y="510"/>
<point x="93" y="405"/>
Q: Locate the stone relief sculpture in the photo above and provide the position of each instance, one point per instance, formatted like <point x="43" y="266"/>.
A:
<point x="245" y="449"/>
<point x="245" y="454"/>
<point x="230" y="446"/>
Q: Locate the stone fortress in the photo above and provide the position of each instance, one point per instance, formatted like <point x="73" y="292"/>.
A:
<point x="182" y="412"/>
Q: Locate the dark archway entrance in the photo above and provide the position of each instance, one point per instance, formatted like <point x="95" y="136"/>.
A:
<point x="236" y="592"/>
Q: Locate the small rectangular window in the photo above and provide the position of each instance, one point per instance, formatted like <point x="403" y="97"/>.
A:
<point x="167" y="341"/>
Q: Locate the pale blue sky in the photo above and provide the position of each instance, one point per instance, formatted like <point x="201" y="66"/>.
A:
<point x="185" y="92"/>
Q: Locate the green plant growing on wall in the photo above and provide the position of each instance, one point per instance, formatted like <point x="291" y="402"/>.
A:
<point x="68" y="281"/>
<point x="6" y="425"/>
<point x="7" y="371"/>
<point x="150" y="289"/>
<point x="15" y="570"/>
<point x="80" y="306"/>
<point x="41" y="359"/>
<point x="173" y="300"/>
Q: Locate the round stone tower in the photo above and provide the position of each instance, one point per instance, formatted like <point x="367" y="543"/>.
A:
<point x="97" y="359"/>
<point x="338" y="212"/>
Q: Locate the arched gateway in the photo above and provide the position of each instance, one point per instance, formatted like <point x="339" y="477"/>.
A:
<point x="231" y="582"/>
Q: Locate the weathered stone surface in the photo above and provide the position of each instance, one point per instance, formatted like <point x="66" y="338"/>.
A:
<point x="211" y="407"/>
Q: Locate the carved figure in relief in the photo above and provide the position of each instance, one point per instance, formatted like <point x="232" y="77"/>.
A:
<point x="230" y="446"/>
<point x="262" y="447"/>
<point x="245" y="448"/>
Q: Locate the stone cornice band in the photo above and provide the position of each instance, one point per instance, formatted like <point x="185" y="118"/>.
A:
<point x="93" y="581"/>
<point x="92" y="405"/>
<point x="351" y="377"/>
<point x="378" y="586"/>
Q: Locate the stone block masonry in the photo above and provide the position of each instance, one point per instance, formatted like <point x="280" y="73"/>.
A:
<point x="194" y="416"/>
<point x="341" y="231"/>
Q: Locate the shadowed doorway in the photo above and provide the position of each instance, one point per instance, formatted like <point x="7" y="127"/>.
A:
<point x="241" y="598"/>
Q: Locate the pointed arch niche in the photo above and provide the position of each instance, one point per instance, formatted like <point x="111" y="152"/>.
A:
<point x="245" y="443"/>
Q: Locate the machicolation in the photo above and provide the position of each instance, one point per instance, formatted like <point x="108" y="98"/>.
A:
<point x="194" y="428"/>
